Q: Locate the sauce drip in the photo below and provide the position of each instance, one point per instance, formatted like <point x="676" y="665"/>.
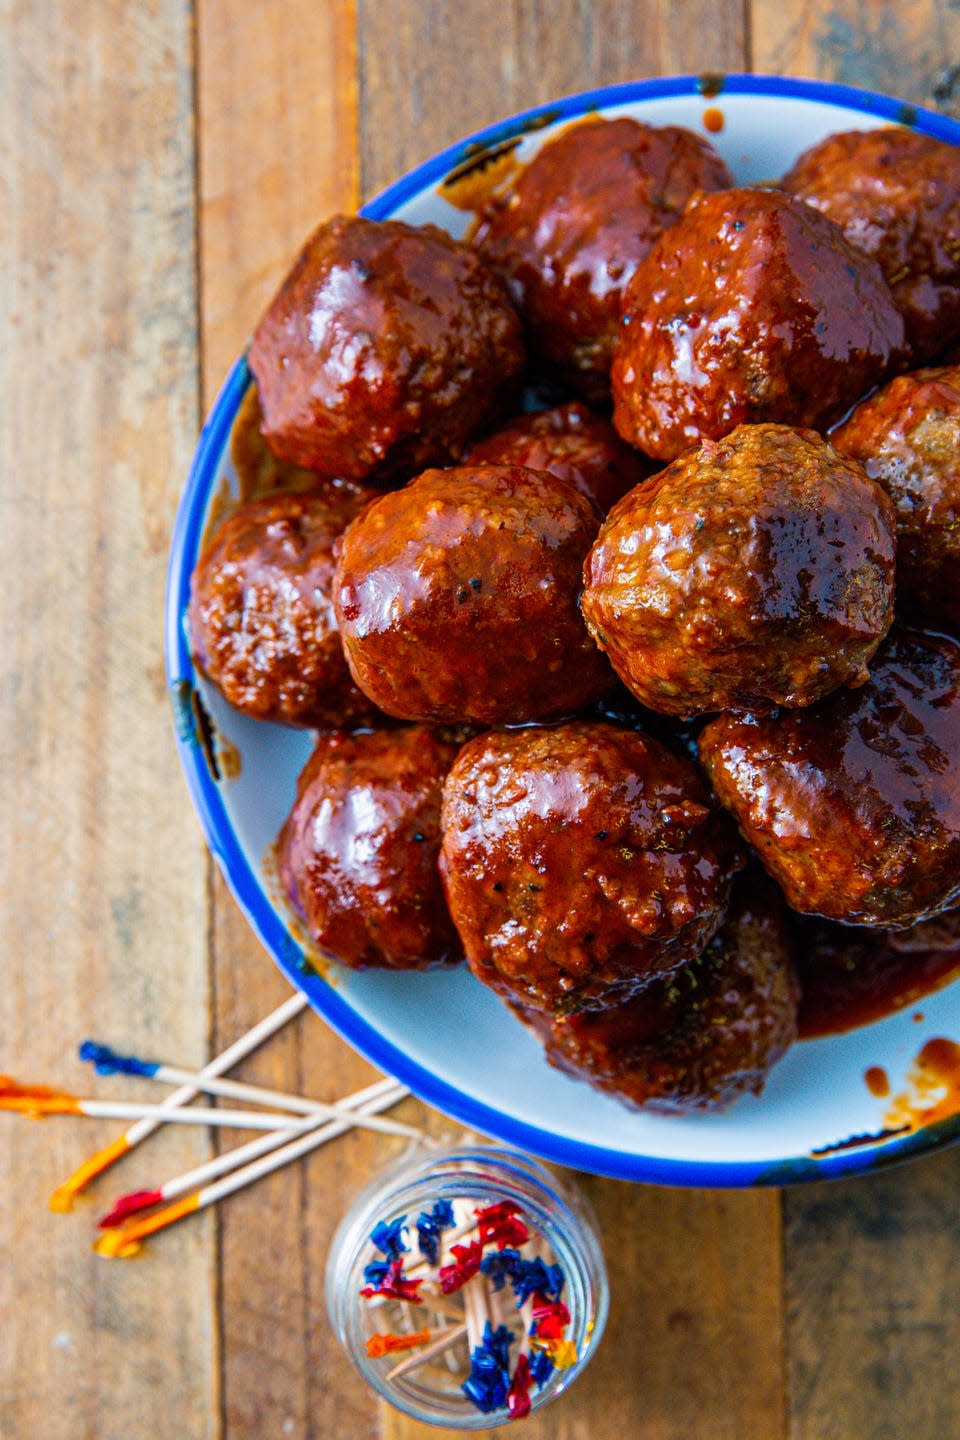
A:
<point x="877" y="1081"/>
<point x="713" y="120"/>
<point x="934" y="1092"/>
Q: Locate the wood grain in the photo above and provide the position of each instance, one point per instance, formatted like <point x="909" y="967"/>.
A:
<point x="429" y="74"/>
<point x="871" y="1265"/>
<point x="873" y="1268"/>
<point x="277" y="154"/>
<point x="101" y="862"/>
<point x="277" y="144"/>
<point x="908" y="48"/>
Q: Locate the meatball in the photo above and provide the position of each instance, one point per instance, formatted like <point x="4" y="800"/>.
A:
<point x="704" y="1037"/>
<point x="854" y="805"/>
<point x="571" y="230"/>
<point x="358" y="853"/>
<point x="580" y="862"/>
<point x="754" y="307"/>
<point x="262" y="623"/>
<point x="896" y="195"/>
<point x="457" y="597"/>
<point x="907" y="436"/>
<point x="755" y="571"/>
<point x="386" y="349"/>
<point x="572" y="442"/>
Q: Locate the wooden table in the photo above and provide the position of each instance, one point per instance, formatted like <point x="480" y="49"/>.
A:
<point x="161" y="163"/>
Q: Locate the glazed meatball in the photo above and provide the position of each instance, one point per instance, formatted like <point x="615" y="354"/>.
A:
<point x="572" y="442"/>
<point x="457" y="597"/>
<point x="580" y="862"/>
<point x="754" y="307"/>
<point x="573" y="227"/>
<point x="358" y="853"/>
<point x="896" y="195"/>
<point x="386" y="349"/>
<point x="755" y="571"/>
<point x="907" y="436"/>
<point x="262" y="623"/>
<point x="704" y="1037"/>
<point x="854" y="805"/>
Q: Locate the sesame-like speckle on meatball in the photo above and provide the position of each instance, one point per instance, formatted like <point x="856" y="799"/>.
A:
<point x="570" y="230"/>
<point x="895" y="193"/>
<point x="573" y="442"/>
<point x="907" y="437"/>
<point x="703" y="1038"/>
<point x="457" y="598"/>
<point x="262" y="622"/>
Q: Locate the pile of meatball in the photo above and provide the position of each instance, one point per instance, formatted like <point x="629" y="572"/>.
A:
<point x="623" y="590"/>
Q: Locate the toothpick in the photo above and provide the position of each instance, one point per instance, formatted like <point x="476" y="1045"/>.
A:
<point x="476" y="1311"/>
<point x="428" y="1302"/>
<point x="63" y="1197"/>
<point x="450" y="1237"/>
<point x="37" y="1102"/>
<point x="390" y="1092"/>
<point x="444" y="1340"/>
<point x="108" y="1062"/>
<point x="125" y="1240"/>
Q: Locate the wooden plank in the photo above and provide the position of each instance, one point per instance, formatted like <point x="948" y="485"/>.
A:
<point x="907" y="48"/>
<point x="872" y="1264"/>
<point x="278" y="153"/>
<point x="872" y="1269"/>
<point x="277" y="142"/>
<point x="430" y="74"/>
<point x="695" y="1338"/>
<point x="102" y="882"/>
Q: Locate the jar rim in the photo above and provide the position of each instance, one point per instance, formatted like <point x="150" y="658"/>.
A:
<point x="558" y="1214"/>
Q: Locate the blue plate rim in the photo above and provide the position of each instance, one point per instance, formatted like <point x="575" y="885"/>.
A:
<point x="246" y="886"/>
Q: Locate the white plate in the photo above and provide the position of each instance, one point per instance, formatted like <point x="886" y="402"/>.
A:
<point x="443" y="1033"/>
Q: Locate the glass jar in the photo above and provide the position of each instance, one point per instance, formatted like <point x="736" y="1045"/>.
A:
<point x="562" y="1231"/>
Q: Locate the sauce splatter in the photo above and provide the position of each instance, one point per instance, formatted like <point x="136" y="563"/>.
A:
<point x="933" y="1087"/>
<point x="877" y="1081"/>
<point x="713" y="120"/>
